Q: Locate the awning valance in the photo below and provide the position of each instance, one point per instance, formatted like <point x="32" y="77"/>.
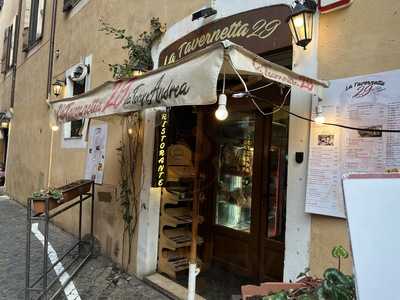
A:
<point x="191" y="81"/>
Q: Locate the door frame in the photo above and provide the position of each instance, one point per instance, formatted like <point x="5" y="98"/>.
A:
<point x="257" y="238"/>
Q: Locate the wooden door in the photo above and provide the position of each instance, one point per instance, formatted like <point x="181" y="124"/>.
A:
<point x="238" y="159"/>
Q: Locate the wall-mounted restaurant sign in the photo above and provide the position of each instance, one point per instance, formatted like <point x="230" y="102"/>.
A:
<point x="259" y="30"/>
<point x="160" y="148"/>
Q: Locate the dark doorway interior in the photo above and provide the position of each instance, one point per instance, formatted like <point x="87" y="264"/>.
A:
<point x="243" y="166"/>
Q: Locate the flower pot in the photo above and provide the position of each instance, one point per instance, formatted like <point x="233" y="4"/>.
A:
<point x="39" y="205"/>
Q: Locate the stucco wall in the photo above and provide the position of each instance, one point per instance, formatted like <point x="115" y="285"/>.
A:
<point x="77" y="35"/>
<point x="360" y="39"/>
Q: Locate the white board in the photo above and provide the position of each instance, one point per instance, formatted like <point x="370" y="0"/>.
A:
<point x="373" y="213"/>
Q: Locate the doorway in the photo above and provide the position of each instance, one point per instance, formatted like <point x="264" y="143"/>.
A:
<point x="245" y="199"/>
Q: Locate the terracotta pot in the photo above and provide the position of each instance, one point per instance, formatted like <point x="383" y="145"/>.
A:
<point x="39" y="205"/>
<point x="268" y="288"/>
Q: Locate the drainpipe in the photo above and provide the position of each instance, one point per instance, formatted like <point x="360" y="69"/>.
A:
<point x="15" y="54"/>
<point x="51" y="50"/>
<point x="49" y="79"/>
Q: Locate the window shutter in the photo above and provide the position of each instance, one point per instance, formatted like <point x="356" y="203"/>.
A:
<point x="40" y="20"/>
<point x="12" y="42"/>
<point x="4" y="55"/>
<point x="27" y="20"/>
<point x="69" y="4"/>
<point x="10" y="46"/>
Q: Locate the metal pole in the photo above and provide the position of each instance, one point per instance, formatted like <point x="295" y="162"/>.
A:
<point x="193" y="270"/>
<point x="92" y="219"/>
<point x="50" y="159"/>
<point x="46" y="242"/>
<point x="51" y="50"/>
<point x="28" y="249"/>
<point x="80" y="222"/>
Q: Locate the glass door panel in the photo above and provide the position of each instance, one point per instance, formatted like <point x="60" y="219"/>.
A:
<point x="278" y="177"/>
<point x="235" y="144"/>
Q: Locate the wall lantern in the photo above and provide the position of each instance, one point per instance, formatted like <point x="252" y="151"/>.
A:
<point x="58" y="87"/>
<point x="301" y="22"/>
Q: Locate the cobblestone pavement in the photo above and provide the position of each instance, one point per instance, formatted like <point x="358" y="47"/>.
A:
<point x="98" y="279"/>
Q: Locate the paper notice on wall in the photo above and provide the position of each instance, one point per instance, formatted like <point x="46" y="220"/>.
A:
<point x="96" y="153"/>
<point x="371" y="101"/>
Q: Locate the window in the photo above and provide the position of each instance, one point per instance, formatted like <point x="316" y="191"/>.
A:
<point x="33" y="23"/>
<point x="74" y="133"/>
<point x="69" y="4"/>
<point x="7" y="60"/>
<point x="73" y="130"/>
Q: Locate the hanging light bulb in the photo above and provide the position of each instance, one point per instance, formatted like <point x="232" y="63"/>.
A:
<point x="319" y="118"/>
<point x="221" y="113"/>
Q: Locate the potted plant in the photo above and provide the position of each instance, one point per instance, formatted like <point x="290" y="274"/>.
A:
<point x="333" y="286"/>
<point x="54" y="196"/>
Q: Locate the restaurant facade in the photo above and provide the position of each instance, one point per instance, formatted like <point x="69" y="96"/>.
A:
<point x="248" y="173"/>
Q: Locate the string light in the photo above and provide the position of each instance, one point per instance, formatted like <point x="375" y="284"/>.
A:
<point x="328" y="124"/>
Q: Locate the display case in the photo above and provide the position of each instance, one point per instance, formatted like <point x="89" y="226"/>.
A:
<point x="235" y="140"/>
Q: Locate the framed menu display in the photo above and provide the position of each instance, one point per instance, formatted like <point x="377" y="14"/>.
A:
<point x="366" y="102"/>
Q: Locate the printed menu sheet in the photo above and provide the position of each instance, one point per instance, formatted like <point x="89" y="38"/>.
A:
<point x="371" y="101"/>
<point x="96" y="153"/>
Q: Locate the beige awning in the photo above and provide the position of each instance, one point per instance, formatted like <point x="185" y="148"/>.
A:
<point x="191" y="81"/>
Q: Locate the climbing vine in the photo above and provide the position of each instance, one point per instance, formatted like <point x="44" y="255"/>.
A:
<point x="139" y="49"/>
<point x="128" y="191"/>
<point x="139" y="58"/>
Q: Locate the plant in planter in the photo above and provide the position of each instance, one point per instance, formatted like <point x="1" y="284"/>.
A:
<point x="333" y="286"/>
<point x="55" y="197"/>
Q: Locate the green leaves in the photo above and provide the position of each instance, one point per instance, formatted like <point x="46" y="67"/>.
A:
<point x="340" y="252"/>
<point x="279" y="296"/>
<point x="52" y="193"/>
<point x="139" y="49"/>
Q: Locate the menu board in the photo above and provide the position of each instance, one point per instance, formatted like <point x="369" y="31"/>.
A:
<point x="371" y="101"/>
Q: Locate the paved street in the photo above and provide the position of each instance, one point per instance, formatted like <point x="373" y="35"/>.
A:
<point x="98" y="279"/>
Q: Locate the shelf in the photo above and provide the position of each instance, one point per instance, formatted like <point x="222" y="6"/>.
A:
<point x="173" y="198"/>
<point x="172" y="262"/>
<point x="177" y="238"/>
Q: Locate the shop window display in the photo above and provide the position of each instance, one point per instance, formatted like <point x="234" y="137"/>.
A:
<point x="236" y="152"/>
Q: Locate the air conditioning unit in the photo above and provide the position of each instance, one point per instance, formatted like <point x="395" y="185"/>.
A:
<point x="79" y="73"/>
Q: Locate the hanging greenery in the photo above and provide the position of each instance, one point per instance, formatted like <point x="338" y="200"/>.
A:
<point x="139" y="49"/>
<point x="128" y="191"/>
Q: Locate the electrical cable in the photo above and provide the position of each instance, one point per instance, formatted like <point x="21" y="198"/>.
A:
<point x="248" y="94"/>
<point x="329" y="124"/>
<point x="275" y="110"/>
<point x="262" y="87"/>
